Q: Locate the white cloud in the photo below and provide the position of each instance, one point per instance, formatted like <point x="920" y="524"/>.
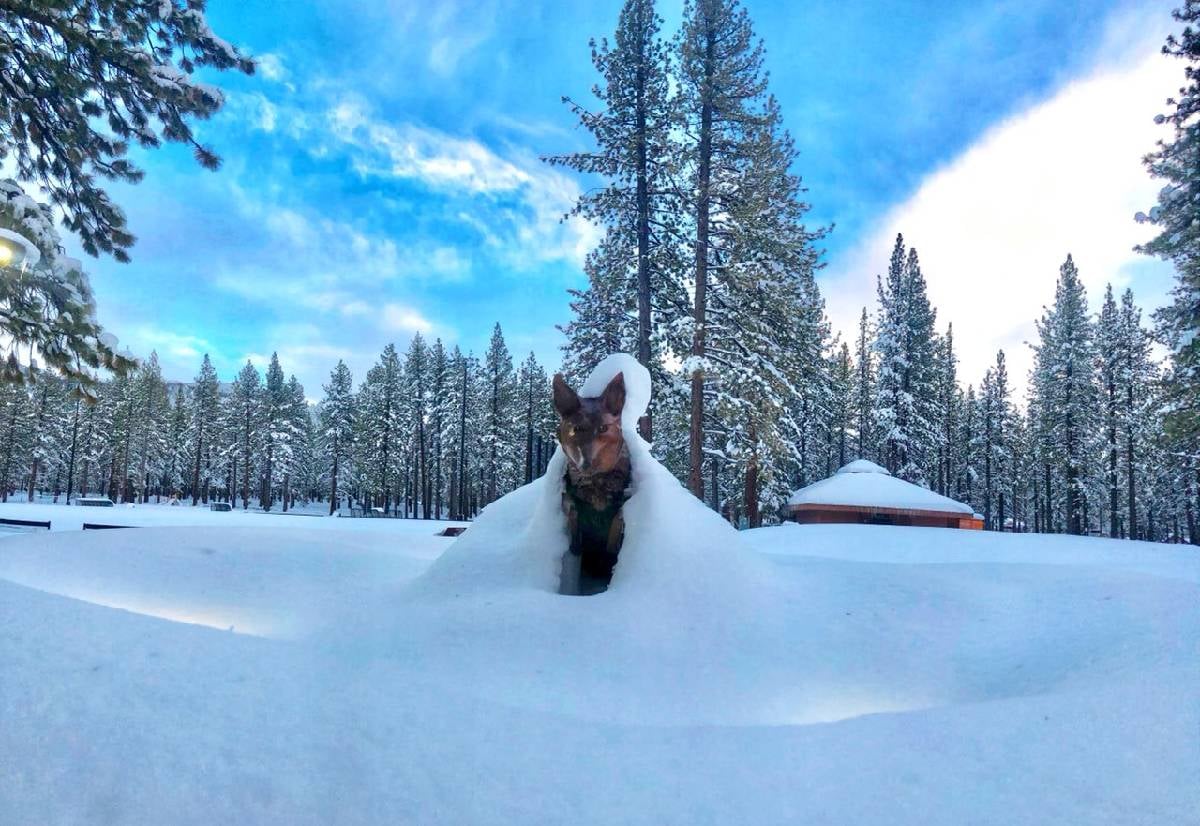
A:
<point x="524" y="200"/>
<point x="993" y="226"/>
<point x="398" y="318"/>
<point x="271" y="66"/>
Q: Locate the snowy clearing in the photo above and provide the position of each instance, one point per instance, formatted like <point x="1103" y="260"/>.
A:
<point x="72" y="517"/>
<point x="890" y="675"/>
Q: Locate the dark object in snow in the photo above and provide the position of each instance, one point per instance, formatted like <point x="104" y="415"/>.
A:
<point x="26" y="523"/>
<point x="94" y="501"/>
<point x="455" y="530"/>
<point x="96" y="526"/>
<point x="222" y="507"/>
<point x="597" y="477"/>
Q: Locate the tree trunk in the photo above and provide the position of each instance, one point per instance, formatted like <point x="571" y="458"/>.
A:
<point x="696" y="440"/>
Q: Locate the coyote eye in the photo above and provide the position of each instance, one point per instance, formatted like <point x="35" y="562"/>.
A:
<point x="603" y="428"/>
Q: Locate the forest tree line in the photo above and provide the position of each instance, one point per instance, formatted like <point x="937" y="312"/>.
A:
<point x="437" y="433"/>
<point x="427" y="433"/>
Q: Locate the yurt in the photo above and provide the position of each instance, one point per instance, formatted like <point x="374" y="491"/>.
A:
<point x="863" y="493"/>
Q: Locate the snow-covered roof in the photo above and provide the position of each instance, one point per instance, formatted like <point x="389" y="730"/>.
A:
<point x="866" y="484"/>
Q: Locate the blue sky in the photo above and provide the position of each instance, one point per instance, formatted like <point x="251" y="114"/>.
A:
<point x="381" y="170"/>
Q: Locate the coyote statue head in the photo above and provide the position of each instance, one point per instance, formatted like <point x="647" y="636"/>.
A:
<point x="589" y="429"/>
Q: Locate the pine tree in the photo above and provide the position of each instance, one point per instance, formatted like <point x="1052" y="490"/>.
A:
<point x="841" y="413"/>
<point x="995" y="415"/>
<point x="1142" y="413"/>
<point x="1066" y="391"/>
<point x="117" y="71"/>
<point x="246" y="405"/>
<point x="416" y="373"/>
<point x="532" y="384"/>
<point x="47" y="309"/>
<point x="864" y="390"/>
<point x="179" y="449"/>
<point x="1177" y="162"/>
<point x="600" y="314"/>
<point x="1109" y="358"/>
<point x="14" y="434"/>
<point x="206" y="391"/>
<point x="634" y="154"/>
<point x="948" y="402"/>
<point x="497" y="437"/>
<point x="338" y="426"/>
<point x="380" y="427"/>
<point x="722" y="86"/>
<point x="440" y="418"/>
<point x="148" y="418"/>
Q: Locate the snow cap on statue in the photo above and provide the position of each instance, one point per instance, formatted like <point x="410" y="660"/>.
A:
<point x="637" y="386"/>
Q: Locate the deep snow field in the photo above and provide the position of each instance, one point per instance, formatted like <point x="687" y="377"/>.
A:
<point x="310" y="673"/>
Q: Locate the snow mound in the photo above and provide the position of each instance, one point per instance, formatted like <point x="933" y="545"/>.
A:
<point x="865" y="484"/>
<point x="863" y="466"/>
<point x="675" y="547"/>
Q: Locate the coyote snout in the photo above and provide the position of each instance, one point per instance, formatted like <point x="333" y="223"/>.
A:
<point x="589" y="431"/>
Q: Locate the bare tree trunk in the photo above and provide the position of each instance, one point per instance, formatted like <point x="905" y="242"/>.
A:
<point x="703" y="204"/>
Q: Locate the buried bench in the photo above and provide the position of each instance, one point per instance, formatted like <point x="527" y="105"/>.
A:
<point x="26" y="523"/>
<point x="95" y="526"/>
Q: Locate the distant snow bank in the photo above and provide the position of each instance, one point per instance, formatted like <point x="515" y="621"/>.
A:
<point x="65" y="517"/>
<point x="879" y="676"/>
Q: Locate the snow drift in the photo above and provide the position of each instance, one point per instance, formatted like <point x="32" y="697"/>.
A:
<point x="677" y="554"/>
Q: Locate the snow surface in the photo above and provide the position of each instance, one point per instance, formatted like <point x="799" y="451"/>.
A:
<point x="866" y="484"/>
<point x="898" y="675"/>
<point x="64" y="517"/>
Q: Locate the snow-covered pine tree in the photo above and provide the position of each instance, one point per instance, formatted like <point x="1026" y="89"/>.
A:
<point x="841" y="409"/>
<point x="722" y="90"/>
<point x="118" y="71"/>
<point x="995" y="413"/>
<point x="15" y="411"/>
<point x="381" y="429"/>
<point x="246" y="409"/>
<point x="1177" y="162"/>
<point x="416" y="397"/>
<point x="47" y="310"/>
<point x="1141" y="418"/>
<point x="967" y="479"/>
<point x="634" y="154"/>
<point x="440" y="417"/>
<point x="1065" y="388"/>
<point x="48" y="396"/>
<point x="948" y="402"/>
<point x="272" y="434"/>
<point x="338" y="413"/>
<point x="497" y="441"/>
<point x="906" y="389"/>
<point x="759" y="337"/>
<point x="174" y="476"/>
<point x="1108" y="367"/>
<point x="864" y="390"/>
<point x="205" y="399"/>
<point x="532" y="396"/>
<point x="601" y="314"/>
<point x="148" y="418"/>
<point x="463" y="368"/>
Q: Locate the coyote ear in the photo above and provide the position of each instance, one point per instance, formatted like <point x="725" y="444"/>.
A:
<point x="566" y="400"/>
<point x="614" y="395"/>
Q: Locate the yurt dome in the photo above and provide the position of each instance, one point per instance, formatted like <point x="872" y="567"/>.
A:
<point x="862" y="492"/>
